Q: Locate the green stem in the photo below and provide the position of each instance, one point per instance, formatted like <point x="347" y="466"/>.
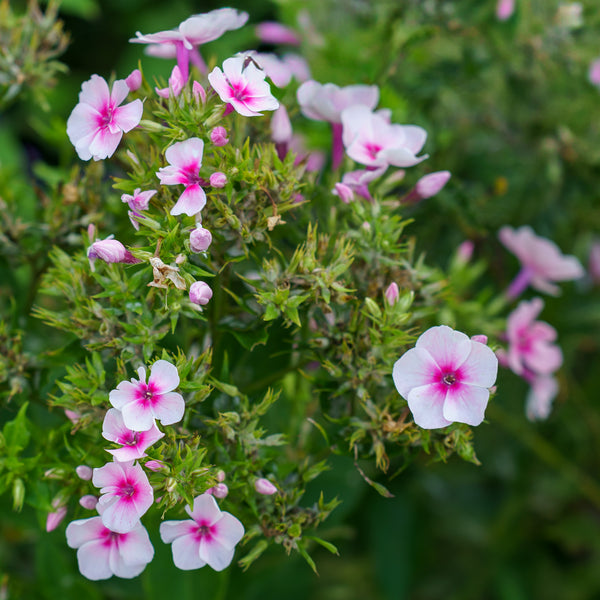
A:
<point x="546" y="452"/>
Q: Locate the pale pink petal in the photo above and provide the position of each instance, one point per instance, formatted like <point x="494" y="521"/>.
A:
<point x="415" y="368"/>
<point x="109" y="475"/>
<point x="466" y="404"/>
<point x="481" y="366"/>
<point x="163" y="376"/>
<point x="426" y="404"/>
<point x="183" y="154"/>
<point x="125" y="393"/>
<point x="113" y="427"/>
<point x="128" y="116"/>
<point x="95" y="92"/>
<point x="191" y="202"/>
<point x="82" y="123"/>
<point x="205" y="510"/>
<point x="93" y="560"/>
<point x="539" y="400"/>
<point x="399" y="157"/>
<point x="449" y="348"/>
<point x="137" y="416"/>
<point x="228" y="531"/>
<point x="170" y="408"/>
<point x="215" y="554"/>
<point x="104" y="143"/>
<point x="217" y="80"/>
<point x="171" y="175"/>
<point x="186" y="555"/>
<point x="119" y="91"/>
<point x="135" y="547"/>
<point x="83" y="530"/>
<point x="545" y="360"/>
<point x="171" y="530"/>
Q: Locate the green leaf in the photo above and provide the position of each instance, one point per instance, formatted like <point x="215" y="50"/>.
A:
<point x="327" y="545"/>
<point x="16" y="434"/>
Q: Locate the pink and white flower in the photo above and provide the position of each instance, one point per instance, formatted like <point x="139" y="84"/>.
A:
<point x="326" y="102"/>
<point x="102" y="553"/>
<point x="134" y="443"/>
<point x="191" y="33"/>
<point x="370" y="139"/>
<point x="541" y="261"/>
<point x="140" y="402"/>
<point x="126" y="495"/>
<point x="111" y="251"/>
<point x="242" y="85"/>
<point x="445" y="378"/>
<point x="530" y="342"/>
<point x="96" y="125"/>
<point x="137" y="202"/>
<point x="185" y="160"/>
<point x="358" y="181"/>
<point x="209" y="538"/>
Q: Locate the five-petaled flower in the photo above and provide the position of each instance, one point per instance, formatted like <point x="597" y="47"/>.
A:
<point x="126" y="494"/>
<point x="97" y="123"/>
<point x="102" y="553"/>
<point x="530" y="342"/>
<point x="541" y="261"/>
<point x="133" y="443"/>
<point x="445" y="378"/>
<point x="209" y="538"/>
<point x="242" y="85"/>
<point x="140" y="402"/>
<point x="185" y="160"/>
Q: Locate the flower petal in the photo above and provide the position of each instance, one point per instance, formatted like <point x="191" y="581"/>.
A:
<point x="170" y="408"/>
<point x="426" y="404"/>
<point x="415" y="368"/>
<point x="205" y="511"/>
<point x="449" y="348"/>
<point x="191" y="202"/>
<point x="481" y="366"/>
<point x="171" y="530"/>
<point x="228" y="530"/>
<point x="128" y="116"/>
<point x="466" y="404"/>
<point x="164" y="376"/>
<point x="215" y="554"/>
<point x="93" y="560"/>
<point x="186" y="555"/>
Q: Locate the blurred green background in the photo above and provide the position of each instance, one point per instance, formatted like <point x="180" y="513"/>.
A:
<point x="510" y="112"/>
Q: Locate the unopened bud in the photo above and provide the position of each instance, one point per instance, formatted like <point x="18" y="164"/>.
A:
<point x="110" y="251"/>
<point x="134" y="80"/>
<point x="198" y="92"/>
<point x="221" y="476"/>
<point x="430" y="185"/>
<point x="84" y="472"/>
<point x="220" y="490"/>
<point x="155" y="465"/>
<point x="344" y="192"/>
<point x="218" y="136"/>
<point x="54" y="519"/>
<point x="265" y="487"/>
<point x="391" y="293"/>
<point x="218" y="179"/>
<point x="200" y="293"/>
<point x="482" y="339"/>
<point x="88" y="501"/>
<point x="281" y="128"/>
<point x="200" y="239"/>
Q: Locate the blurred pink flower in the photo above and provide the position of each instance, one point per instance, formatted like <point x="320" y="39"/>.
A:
<point x="326" y="102"/>
<point x="88" y="501"/>
<point x="530" y="342"/>
<point x="84" y="472"/>
<point x="218" y="136"/>
<point x="541" y="261"/>
<point x="391" y="293"/>
<point x="371" y="140"/>
<point x="96" y="125"/>
<point x="133" y="443"/>
<point x="271" y="32"/>
<point x="539" y="399"/>
<point x="242" y="85"/>
<point x="594" y="72"/>
<point x="191" y="33"/>
<point x="594" y="262"/>
<point x="137" y="202"/>
<point x="358" y="181"/>
<point x="429" y="185"/>
<point x="217" y="179"/>
<point x="54" y="519"/>
<point x="134" y="80"/>
<point x="209" y="538"/>
<point x="445" y="378"/>
<point x="345" y="192"/>
<point x="185" y="160"/>
<point x="505" y="9"/>
<point x="126" y="494"/>
<point x="102" y="553"/>
<point x="140" y="402"/>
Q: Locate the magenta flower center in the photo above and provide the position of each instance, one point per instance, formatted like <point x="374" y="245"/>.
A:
<point x="131" y="439"/>
<point x="449" y="379"/>
<point x="204" y="531"/>
<point x="373" y="150"/>
<point x="106" y="116"/>
<point x="110" y="538"/>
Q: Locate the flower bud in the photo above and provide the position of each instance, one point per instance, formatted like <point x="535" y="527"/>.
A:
<point x="344" y="192"/>
<point x="54" y="519"/>
<point x="221" y="476"/>
<point x="392" y="293"/>
<point x="430" y="185"/>
<point x="110" y="251"/>
<point x="594" y="262"/>
<point x="465" y="251"/>
<point x="72" y="416"/>
<point x="84" y="472"/>
<point x="505" y="9"/>
<point x="155" y="465"/>
<point x="200" y="293"/>
<point x="220" y="490"/>
<point x="594" y="72"/>
<point x="88" y="501"/>
<point x="265" y="487"/>
<point x="218" y="136"/>
<point x="200" y="239"/>
<point x="482" y="339"/>
<point x="218" y="179"/>
<point x="198" y="92"/>
<point x="134" y="80"/>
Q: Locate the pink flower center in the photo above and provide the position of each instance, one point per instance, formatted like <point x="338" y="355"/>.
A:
<point x="130" y="439"/>
<point x="204" y="531"/>
<point x="373" y="150"/>
<point x="126" y="489"/>
<point x="110" y="538"/>
<point x="239" y="91"/>
<point x="106" y="115"/>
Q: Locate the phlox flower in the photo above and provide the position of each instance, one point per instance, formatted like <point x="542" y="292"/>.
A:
<point x="191" y="33"/>
<point x="209" y="538"/>
<point x="326" y="102"/>
<point x="594" y="72"/>
<point x="541" y="261"/>
<point x="185" y="160"/>
<point x="272" y="32"/>
<point x="126" y="494"/>
<point x="370" y="139"/>
<point x="530" y="342"/>
<point x="140" y="402"/>
<point x="358" y="181"/>
<point x="96" y="125"/>
<point x="505" y="9"/>
<point x="242" y="85"/>
<point x="446" y="377"/>
<point x="102" y="553"/>
<point x="137" y="202"/>
<point x="133" y="443"/>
